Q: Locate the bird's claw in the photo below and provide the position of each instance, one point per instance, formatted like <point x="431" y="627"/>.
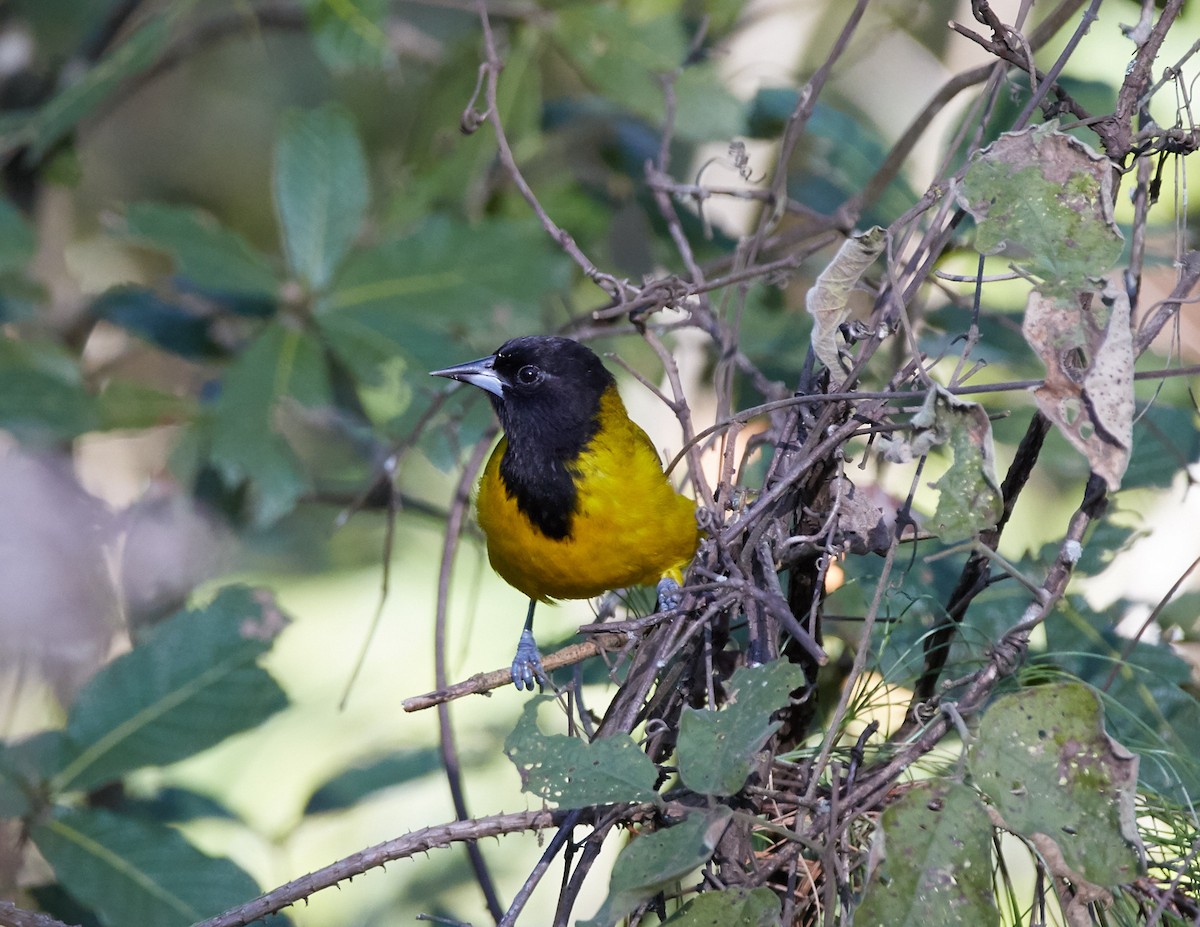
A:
<point x="670" y="594"/>
<point x="527" y="664"/>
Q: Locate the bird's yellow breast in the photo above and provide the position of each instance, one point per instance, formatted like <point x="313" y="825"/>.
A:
<point x="629" y="526"/>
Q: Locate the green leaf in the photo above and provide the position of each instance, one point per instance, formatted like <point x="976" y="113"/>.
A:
<point x="717" y="748"/>
<point x="192" y="683"/>
<point x="1149" y="703"/>
<point x="705" y="110"/>
<point x="246" y="445"/>
<point x="656" y="861"/>
<point x="131" y="405"/>
<point x="171" y="325"/>
<point x="1165" y="441"/>
<point x="350" y="787"/>
<point x="619" y="57"/>
<point x="349" y="34"/>
<point x="133" y="872"/>
<point x="1043" y="758"/>
<point x="574" y="773"/>
<point x="447" y="279"/>
<point x="444" y="168"/>
<point x="969" y="499"/>
<point x="25" y="767"/>
<point x="936" y="868"/>
<point x="17" y="241"/>
<point x="839" y="152"/>
<point x="1044" y="199"/>
<point x="321" y="191"/>
<point x="52" y="122"/>
<point x="42" y="396"/>
<point x="210" y="255"/>
<point x="733" y="907"/>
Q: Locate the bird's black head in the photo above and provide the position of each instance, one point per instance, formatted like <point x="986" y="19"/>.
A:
<point x="546" y="391"/>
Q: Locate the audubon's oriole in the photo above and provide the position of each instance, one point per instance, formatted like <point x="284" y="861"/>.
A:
<point x="573" y="501"/>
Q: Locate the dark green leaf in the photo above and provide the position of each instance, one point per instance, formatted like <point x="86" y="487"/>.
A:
<point x="448" y="279"/>
<point x="321" y="191"/>
<point x="574" y="773"/>
<point x="54" y="900"/>
<point x="208" y="254"/>
<point x="1044" y="760"/>
<point x="655" y="861"/>
<point x="350" y="36"/>
<point x="17" y="240"/>
<point x="76" y="101"/>
<point x="41" y="392"/>
<point x="193" y="682"/>
<point x="935" y="867"/>
<point x="170" y="325"/>
<point x="132" y="872"/>
<point x="352" y="786"/>
<point x="733" y="907"/>
<point x="837" y="156"/>
<point x="717" y="748"/>
<point x="1165" y="441"/>
<point x="172" y="806"/>
<point x="25" y="767"/>
<point x="246" y="445"/>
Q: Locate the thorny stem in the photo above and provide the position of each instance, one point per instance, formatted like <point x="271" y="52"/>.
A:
<point x="449" y="750"/>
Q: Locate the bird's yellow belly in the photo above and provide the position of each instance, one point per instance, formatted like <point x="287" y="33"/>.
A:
<point x="629" y="528"/>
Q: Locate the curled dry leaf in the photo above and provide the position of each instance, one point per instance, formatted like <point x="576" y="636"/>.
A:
<point x="862" y="525"/>
<point x="828" y="299"/>
<point x="1087" y="346"/>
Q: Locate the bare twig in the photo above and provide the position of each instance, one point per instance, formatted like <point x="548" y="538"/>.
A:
<point x="448" y="748"/>
<point x="419" y="841"/>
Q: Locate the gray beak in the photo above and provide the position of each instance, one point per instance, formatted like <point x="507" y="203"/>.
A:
<point x="481" y="373"/>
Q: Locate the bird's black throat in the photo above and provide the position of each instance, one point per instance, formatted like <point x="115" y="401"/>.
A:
<point x="538" y="467"/>
<point x="543" y="489"/>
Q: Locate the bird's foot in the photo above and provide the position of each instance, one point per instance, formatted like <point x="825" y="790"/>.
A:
<point x="670" y="594"/>
<point x="527" y="664"/>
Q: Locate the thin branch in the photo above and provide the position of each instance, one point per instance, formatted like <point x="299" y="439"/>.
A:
<point x="448" y="749"/>
<point x="491" y="69"/>
<point x="438" y="836"/>
<point x="13" y="916"/>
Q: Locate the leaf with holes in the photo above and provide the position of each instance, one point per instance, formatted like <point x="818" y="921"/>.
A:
<point x="1085" y="341"/>
<point x="733" y="907"/>
<point x="1043" y="758"/>
<point x="933" y="862"/>
<point x="574" y="773"/>
<point x="969" y="498"/>
<point x="654" y="862"/>
<point x="1044" y="199"/>
<point x="717" y="748"/>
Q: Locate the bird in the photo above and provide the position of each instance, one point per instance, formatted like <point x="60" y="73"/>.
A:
<point x="573" y="501"/>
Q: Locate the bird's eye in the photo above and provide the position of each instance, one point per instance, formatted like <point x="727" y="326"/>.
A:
<point x="529" y="375"/>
